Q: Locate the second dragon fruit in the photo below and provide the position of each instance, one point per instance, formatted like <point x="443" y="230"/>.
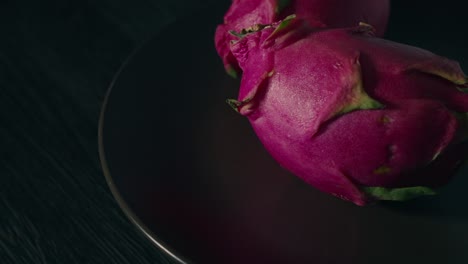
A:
<point x="320" y="13"/>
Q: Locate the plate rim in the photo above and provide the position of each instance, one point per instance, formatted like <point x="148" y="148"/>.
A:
<point x="125" y="208"/>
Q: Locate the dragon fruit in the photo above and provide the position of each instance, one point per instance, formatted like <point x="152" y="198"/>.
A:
<point x="320" y="13"/>
<point x="353" y="115"/>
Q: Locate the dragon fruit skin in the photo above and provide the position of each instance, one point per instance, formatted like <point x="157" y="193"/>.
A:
<point x="243" y="14"/>
<point x="354" y="115"/>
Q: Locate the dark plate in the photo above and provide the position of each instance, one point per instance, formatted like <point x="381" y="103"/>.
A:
<point x="191" y="174"/>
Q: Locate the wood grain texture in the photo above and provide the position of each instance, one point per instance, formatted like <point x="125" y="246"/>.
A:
<point x="57" y="59"/>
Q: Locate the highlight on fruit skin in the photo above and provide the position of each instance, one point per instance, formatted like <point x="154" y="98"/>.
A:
<point x="244" y="14"/>
<point x="354" y="115"/>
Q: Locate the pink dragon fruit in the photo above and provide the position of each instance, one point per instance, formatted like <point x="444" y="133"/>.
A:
<point x="320" y="13"/>
<point x="354" y="115"/>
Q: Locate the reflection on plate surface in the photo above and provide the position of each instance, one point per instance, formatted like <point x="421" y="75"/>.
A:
<point x="192" y="175"/>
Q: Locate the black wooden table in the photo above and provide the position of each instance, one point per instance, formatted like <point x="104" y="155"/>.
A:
<point x="57" y="59"/>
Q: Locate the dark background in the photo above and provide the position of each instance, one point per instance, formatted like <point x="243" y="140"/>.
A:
<point x="57" y="59"/>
